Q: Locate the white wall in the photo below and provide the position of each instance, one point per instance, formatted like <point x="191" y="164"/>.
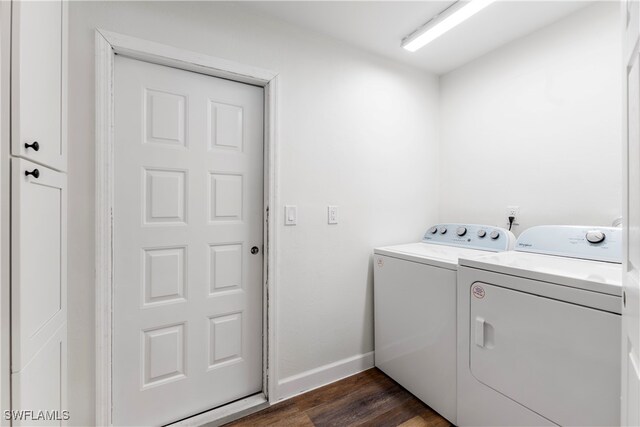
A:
<point x="537" y="123"/>
<point x="355" y="130"/>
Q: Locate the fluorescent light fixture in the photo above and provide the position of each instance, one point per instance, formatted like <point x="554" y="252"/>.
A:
<point x="454" y="15"/>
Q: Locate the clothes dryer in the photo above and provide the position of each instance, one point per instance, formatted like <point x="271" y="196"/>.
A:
<point x="539" y="330"/>
<point x="415" y="308"/>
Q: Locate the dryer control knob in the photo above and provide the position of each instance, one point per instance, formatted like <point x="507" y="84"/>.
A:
<point x="433" y="230"/>
<point x="595" y="236"/>
<point x="481" y="233"/>
<point x="443" y="230"/>
<point x="461" y="231"/>
<point x="494" y="234"/>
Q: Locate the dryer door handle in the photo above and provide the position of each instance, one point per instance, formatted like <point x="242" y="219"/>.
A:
<point x="479" y="331"/>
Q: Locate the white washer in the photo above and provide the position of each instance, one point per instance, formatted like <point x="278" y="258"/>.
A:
<point x="539" y="330"/>
<point x="415" y="308"/>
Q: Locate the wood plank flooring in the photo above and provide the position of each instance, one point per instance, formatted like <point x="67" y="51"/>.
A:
<point x="369" y="398"/>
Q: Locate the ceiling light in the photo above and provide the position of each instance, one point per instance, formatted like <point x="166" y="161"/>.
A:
<point x="454" y="15"/>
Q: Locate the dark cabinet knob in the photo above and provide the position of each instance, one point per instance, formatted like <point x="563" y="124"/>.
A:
<point x="34" y="145"/>
<point x="35" y="173"/>
<point x="254" y="250"/>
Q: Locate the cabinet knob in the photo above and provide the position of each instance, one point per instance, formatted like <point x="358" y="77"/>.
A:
<point x="254" y="250"/>
<point x="35" y="173"/>
<point x="34" y="145"/>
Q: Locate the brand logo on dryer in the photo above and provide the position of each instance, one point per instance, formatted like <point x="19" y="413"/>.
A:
<point x="478" y="291"/>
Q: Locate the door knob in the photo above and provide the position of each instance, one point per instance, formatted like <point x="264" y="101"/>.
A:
<point x="34" y="145"/>
<point x="254" y="250"/>
<point x="35" y="173"/>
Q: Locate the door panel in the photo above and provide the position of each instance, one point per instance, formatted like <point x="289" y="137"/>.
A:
<point x="187" y="211"/>
<point x="38" y="292"/>
<point x="37" y="81"/>
<point x="38" y="277"/>
<point x="42" y="384"/>
<point x="558" y="359"/>
<point x="631" y="25"/>
<point x="630" y="385"/>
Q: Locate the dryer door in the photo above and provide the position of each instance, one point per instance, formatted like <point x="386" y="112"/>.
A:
<point x="558" y="359"/>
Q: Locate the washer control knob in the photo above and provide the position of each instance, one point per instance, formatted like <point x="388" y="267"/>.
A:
<point x="443" y="230"/>
<point x="481" y="233"/>
<point x="433" y="230"/>
<point x="494" y="234"/>
<point x="461" y="231"/>
<point x="595" y="236"/>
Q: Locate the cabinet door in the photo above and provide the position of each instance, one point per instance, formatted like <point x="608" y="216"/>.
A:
<point x="38" y="264"/>
<point x="38" y="82"/>
<point x="41" y="385"/>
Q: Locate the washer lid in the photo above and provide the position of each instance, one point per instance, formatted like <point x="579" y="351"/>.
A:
<point x="425" y="253"/>
<point x="593" y="276"/>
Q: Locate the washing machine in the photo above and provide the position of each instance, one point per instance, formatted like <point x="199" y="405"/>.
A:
<point x="539" y="330"/>
<point x="415" y="308"/>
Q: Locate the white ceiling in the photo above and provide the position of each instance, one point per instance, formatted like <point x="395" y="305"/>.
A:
<point x="379" y="26"/>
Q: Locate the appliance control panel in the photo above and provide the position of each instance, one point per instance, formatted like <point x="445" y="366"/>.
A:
<point x="592" y="243"/>
<point x="472" y="236"/>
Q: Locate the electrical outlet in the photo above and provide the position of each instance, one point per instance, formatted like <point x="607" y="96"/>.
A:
<point x="513" y="211"/>
<point x="332" y="214"/>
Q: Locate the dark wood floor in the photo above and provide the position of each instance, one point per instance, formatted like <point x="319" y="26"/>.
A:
<point x="366" y="399"/>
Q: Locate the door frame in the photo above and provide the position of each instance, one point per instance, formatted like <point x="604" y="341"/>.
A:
<point x="5" y="207"/>
<point x="107" y="45"/>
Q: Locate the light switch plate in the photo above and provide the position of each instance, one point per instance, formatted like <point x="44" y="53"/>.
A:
<point x="332" y="214"/>
<point x="290" y="215"/>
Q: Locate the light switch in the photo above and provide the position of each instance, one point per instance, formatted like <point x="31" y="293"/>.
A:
<point x="332" y="213"/>
<point x="290" y="215"/>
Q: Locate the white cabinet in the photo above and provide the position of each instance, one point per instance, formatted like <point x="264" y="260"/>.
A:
<point x="38" y="287"/>
<point x="38" y="82"/>
<point x="36" y="34"/>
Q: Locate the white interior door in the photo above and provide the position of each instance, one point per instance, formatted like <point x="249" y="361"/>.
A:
<point x="631" y="266"/>
<point x="37" y="81"/>
<point x="630" y="389"/>
<point x="188" y="213"/>
<point x="38" y="289"/>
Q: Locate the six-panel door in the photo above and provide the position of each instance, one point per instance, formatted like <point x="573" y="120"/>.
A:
<point x="38" y="287"/>
<point x="38" y="82"/>
<point x="187" y="213"/>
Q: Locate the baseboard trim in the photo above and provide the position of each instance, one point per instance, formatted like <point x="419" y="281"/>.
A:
<point x="323" y="375"/>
